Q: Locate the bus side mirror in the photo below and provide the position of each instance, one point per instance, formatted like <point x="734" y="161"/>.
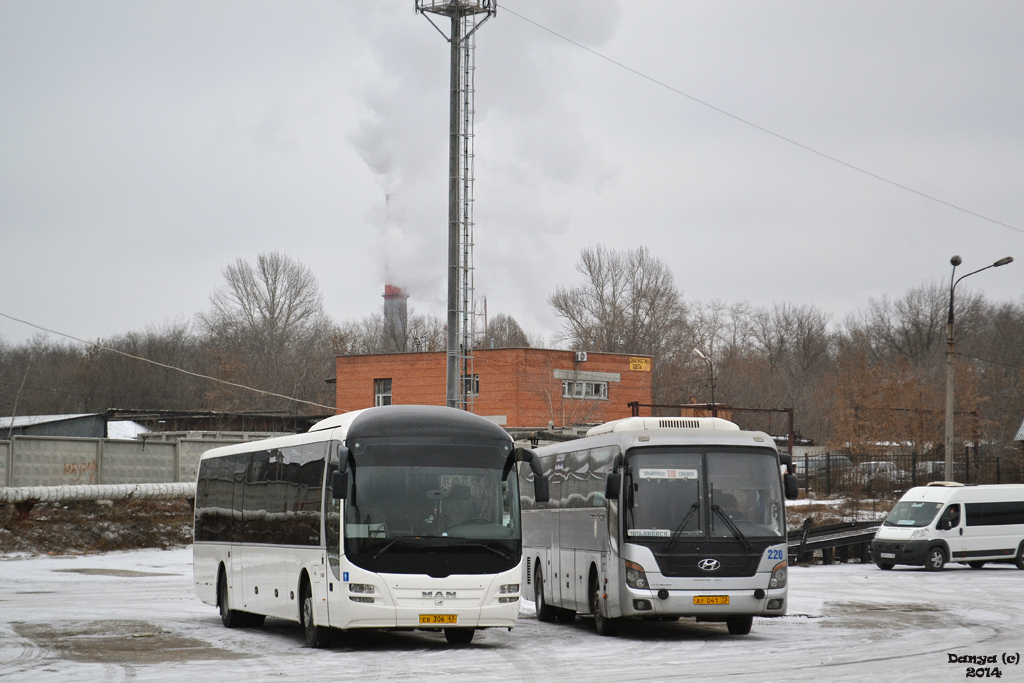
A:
<point x="792" y="486"/>
<point x="339" y="484"/>
<point x="612" y="486"/>
<point x="540" y="489"/>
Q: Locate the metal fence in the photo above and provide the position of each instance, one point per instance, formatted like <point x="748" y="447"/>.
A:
<point x="884" y="476"/>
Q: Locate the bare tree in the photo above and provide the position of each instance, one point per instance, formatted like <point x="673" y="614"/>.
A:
<point x="628" y="303"/>
<point x="267" y="328"/>
<point x="504" y="332"/>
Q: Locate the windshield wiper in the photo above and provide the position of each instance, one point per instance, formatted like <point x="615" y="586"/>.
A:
<point x="732" y="526"/>
<point x="677" y="534"/>
<point x="500" y="553"/>
<point x="387" y="546"/>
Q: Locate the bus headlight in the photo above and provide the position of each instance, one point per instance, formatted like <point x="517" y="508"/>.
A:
<point x="920" y="533"/>
<point x="365" y="588"/>
<point x="509" y="593"/>
<point x="635" y="576"/>
<point x="778" y="579"/>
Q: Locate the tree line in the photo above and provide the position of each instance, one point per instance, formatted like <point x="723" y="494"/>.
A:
<point x="872" y="382"/>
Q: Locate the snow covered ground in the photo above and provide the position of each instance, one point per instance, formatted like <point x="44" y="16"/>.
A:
<point x="133" y="616"/>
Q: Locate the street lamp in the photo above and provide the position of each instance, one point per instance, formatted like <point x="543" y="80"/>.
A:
<point x="956" y="261"/>
<point x="696" y="352"/>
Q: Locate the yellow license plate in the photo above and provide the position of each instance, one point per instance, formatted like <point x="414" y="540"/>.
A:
<point x="711" y="599"/>
<point x="439" y="618"/>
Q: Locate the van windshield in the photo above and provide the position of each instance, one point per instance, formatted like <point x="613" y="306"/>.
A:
<point x="912" y="513"/>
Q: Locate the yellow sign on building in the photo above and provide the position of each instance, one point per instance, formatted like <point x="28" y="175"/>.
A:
<point x="640" y="364"/>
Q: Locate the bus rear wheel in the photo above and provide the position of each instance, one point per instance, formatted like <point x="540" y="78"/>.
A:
<point x="976" y="565"/>
<point x="885" y="565"/>
<point x="545" y="612"/>
<point x="1019" y="560"/>
<point x="316" y="636"/>
<point x="459" y="636"/>
<point x="739" y="626"/>
<point x="229" y="617"/>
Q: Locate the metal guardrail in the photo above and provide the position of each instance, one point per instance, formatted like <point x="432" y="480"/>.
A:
<point x="847" y="539"/>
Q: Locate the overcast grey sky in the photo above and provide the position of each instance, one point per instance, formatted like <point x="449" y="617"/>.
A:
<point x="146" y="145"/>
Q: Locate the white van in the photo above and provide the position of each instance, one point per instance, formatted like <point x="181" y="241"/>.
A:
<point x="935" y="524"/>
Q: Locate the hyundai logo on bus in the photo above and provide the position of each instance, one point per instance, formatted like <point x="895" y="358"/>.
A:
<point x="709" y="565"/>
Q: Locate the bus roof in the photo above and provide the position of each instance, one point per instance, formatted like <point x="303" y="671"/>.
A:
<point x="636" y="424"/>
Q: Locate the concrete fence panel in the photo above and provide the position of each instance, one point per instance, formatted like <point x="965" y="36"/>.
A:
<point x="5" y="463"/>
<point x="134" y="462"/>
<point x="45" y="461"/>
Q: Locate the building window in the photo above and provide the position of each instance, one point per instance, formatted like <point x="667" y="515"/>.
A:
<point x="471" y="385"/>
<point x="588" y="390"/>
<point x="382" y="392"/>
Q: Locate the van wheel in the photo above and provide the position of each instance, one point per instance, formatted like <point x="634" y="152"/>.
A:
<point x="885" y="565"/>
<point x="1019" y="560"/>
<point x="936" y="560"/>
<point x="975" y="565"/>
<point x="739" y="626"/>
<point x="545" y="612"/>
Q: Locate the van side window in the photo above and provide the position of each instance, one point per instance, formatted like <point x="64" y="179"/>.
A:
<point x="952" y="515"/>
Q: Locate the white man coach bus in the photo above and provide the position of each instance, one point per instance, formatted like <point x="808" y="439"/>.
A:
<point x="417" y="527"/>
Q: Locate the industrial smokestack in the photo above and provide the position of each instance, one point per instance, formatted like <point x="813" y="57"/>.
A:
<point x="396" y="315"/>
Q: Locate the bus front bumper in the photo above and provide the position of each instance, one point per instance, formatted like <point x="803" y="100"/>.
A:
<point x="704" y="603"/>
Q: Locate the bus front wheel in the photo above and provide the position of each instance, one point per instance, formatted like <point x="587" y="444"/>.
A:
<point x="459" y="636"/>
<point x="739" y="626"/>
<point x="605" y="625"/>
<point x="316" y="636"/>
<point x="545" y="612"/>
<point x="229" y="617"/>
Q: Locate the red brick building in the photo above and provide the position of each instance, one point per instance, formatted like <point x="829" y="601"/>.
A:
<point x="528" y="387"/>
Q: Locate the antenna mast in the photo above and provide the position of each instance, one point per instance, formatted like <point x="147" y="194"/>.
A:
<point x="466" y="17"/>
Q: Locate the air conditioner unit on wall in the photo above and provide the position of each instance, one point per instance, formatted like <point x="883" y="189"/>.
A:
<point x="581" y="356"/>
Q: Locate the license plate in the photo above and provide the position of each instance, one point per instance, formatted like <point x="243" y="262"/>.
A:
<point x="711" y="599"/>
<point x="439" y="618"/>
<point x="888" y="556"/>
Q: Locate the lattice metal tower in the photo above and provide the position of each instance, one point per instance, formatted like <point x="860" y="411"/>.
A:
<point x="466" y="16"/>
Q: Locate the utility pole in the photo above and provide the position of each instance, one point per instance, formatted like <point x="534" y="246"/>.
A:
<point x="465" y="16"/>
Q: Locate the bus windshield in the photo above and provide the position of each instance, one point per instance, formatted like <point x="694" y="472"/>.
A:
<point x="412" y="505"/>
<point x="680" y="493"/>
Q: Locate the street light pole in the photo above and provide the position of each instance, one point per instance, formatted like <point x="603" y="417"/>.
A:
<point x="711" y="366"/>
<point x="950" y="352"/>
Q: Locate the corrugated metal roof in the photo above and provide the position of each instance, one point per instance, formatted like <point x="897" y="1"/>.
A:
<point x="1020" y="433"/>
<point x="27" y="420"/>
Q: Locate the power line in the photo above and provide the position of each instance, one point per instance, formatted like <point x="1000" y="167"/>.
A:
<point x="756" y="126"/>
<point x="986" y="360"/>
<point x="97" y="345"/>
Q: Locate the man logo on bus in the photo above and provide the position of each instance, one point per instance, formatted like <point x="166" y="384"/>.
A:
<point x="440" y="595"/>
<point x="709" y="565"/>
